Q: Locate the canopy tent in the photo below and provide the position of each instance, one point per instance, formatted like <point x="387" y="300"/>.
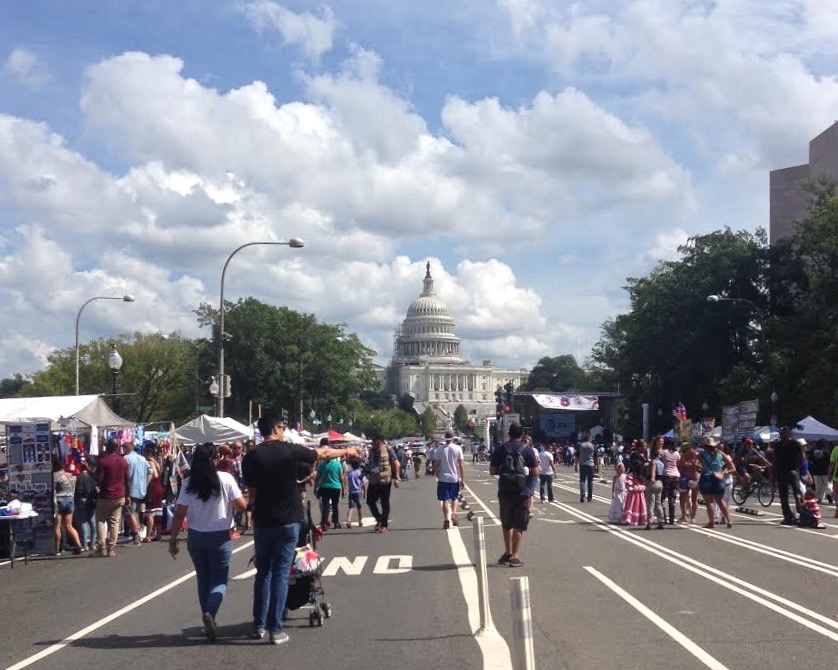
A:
<point x="291" y="434"/>
<point x="215" y="429"/>
<point x="349" y="437"/>
<point x="811" y="429"/>
<point x="62" y="411"/>
<point x="766" y="433"/>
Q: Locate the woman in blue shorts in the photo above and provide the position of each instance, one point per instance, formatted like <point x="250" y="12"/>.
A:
<point x="715" y="466"/>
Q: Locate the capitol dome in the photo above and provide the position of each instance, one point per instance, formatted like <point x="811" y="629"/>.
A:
<point x="427" y="333"/>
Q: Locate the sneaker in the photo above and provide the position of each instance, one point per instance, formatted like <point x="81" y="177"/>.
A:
<point x="278" y="638"/>
<point x="516" y="563"/>
<point x="136" y="542"/>
<point x="257" y="634"/>
<point x="209" y="626"/>
<point x="446" y="524"/>
<point x="336" y="526"/>
<point x="788" y="522"/>
<point x="581" y="498"/>
<point x="111" y="553"/>
<point x="504" y="559"/>
<point x="454" y="520"/>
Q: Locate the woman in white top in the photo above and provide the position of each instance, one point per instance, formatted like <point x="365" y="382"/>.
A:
<point x="208" y="500"/>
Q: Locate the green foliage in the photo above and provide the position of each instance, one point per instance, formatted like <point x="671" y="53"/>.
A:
<point x="428" y="423"/>
<point x="460" y="418"/>
<point x="278" y="357"/>
<point x="391" y="423"/>
<point x="558" y="374"/>
<point x="406" y="403"/>
<point x="376" y="399"/>
<point x="675" y="346"/>
<point x="13" y="386"/>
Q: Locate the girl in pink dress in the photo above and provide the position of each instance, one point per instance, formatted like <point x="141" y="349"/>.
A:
<point x="635" y="512"/>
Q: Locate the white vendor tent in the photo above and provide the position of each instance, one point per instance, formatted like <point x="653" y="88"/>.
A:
<point x="63" y="411"/>
<point x="215" y="429"/>
<point x="811" y="429"/>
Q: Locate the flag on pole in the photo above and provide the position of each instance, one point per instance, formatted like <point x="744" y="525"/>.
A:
<point x="680" y="412"/>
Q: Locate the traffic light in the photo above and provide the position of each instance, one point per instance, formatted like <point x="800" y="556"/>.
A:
<point x="499" y="400"/>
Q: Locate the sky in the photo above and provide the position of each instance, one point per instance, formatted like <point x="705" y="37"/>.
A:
<point x="535" y="152"/>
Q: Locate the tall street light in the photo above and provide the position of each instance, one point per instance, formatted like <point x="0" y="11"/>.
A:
<point x="125" y="298"/>
<point x="115" y="364"/>
<point x="294" y="243"/>
<point x="721" y="298"/>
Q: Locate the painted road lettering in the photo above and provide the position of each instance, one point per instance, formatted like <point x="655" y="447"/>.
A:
<point x="396" y="564"/>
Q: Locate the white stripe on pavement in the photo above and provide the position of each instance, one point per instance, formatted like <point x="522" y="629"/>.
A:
<point x="246" y="574"/>
<point x="670" y="630"/>
<point x="495" y="651"/>
<point x="106" y="620"/>
<point x="758" y="595"/>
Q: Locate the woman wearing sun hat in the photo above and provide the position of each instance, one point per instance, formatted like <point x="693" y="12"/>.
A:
<point x="715" y="466"/>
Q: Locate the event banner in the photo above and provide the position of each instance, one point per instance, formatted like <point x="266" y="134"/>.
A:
<point x="556" y="425"/>
<point x="747" y="418"/>
<point x="730" y="419"/>
<point x="578" y="403"/>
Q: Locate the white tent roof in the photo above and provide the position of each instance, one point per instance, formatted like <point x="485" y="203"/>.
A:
<point x="812" y="429"/>
<point x="215" y="429"/>
<point x="61" y="410"/>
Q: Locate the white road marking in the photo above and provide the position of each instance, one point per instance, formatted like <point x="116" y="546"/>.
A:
<point x="111" y="617"/>
<point x="766" y="550"/>
<point x="488" y="511"/>
<point x="495" y="651"/>
<point x="349" y="566"/>
<point x="756" y="594"/>
<point x="673" y="632"/>
<point x="382" y="565"/>
<point x="558" y="520"/>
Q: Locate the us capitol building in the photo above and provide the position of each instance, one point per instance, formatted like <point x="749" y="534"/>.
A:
<point x="426" y="362"/>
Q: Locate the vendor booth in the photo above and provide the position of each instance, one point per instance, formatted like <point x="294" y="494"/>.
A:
<point x="811" y="430"/>
<point x="215" y="429"/>
<point x="69" y="426"/>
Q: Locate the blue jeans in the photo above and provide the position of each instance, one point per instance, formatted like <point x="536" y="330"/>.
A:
<point x="546" y="483"/>
<point x="274" y="555"/>
<point x="85" y="519"/>
<point x="211" y="553"/>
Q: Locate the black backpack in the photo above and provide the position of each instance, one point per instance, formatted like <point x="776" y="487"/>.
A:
<point x="511" y="471"/>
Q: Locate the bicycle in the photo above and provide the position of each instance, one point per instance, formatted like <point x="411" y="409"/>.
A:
<point x="762" y="486"/>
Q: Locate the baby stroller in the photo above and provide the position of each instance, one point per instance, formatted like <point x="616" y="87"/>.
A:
<point x="305" y="586"/>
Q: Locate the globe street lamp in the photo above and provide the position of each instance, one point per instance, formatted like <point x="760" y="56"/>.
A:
<point x="115" y="364"/>
<point x="214" y="391"/>
<point x="125" y="298"/>
<point x="294" y="243"/>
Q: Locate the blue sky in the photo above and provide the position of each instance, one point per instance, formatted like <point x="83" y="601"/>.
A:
<point x="537" y="152"/>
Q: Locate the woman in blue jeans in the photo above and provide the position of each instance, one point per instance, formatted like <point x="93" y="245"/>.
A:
<point x="208" y="501"/>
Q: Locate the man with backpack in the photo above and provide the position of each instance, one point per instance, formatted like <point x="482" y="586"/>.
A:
<point x="514" y="463"/>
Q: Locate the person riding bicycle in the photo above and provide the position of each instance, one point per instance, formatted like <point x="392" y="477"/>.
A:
<point x="751" y="463"/>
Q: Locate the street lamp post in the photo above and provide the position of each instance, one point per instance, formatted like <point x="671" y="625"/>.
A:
<point x="115" y="364"/>
<point x="294" y="243"/>
<point x="125" y="298"/>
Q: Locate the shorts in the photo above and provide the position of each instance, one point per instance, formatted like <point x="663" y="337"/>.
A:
<point x="64" y="505"/>
<point x="532" y="483"/>
<point x="513" y="512"/>
<point x="447" y="491"/>
<point x="355" y="500"/>
<point x="137" y="506"/>
<point x="710" y="485"/>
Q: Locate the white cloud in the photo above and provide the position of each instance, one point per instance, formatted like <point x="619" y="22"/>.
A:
<point x="25" y="66"/>
<point x="312" y="33"/>
<point x="665" y="245"/>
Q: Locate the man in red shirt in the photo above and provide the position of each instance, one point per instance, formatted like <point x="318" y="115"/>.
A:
<point x="112" y="476"/>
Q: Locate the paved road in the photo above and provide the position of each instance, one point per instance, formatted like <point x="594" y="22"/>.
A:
<point x="756" y="596"/>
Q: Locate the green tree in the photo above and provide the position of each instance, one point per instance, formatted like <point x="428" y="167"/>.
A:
<point x="278" y="357"/>
<point x="428" y="423"/>
<point x="558" y="374"/>
<point x="13" y="386"/>
<point x="157" y="379"/>
<point x="675" y="346"/>
<point x="406" y="402"/>
<point x="461" y="418"/>
<point x="376" y="399"/>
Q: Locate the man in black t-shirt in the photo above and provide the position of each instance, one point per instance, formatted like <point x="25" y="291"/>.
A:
<point x="270" y="472"/>
<point x="788" y="455"/>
